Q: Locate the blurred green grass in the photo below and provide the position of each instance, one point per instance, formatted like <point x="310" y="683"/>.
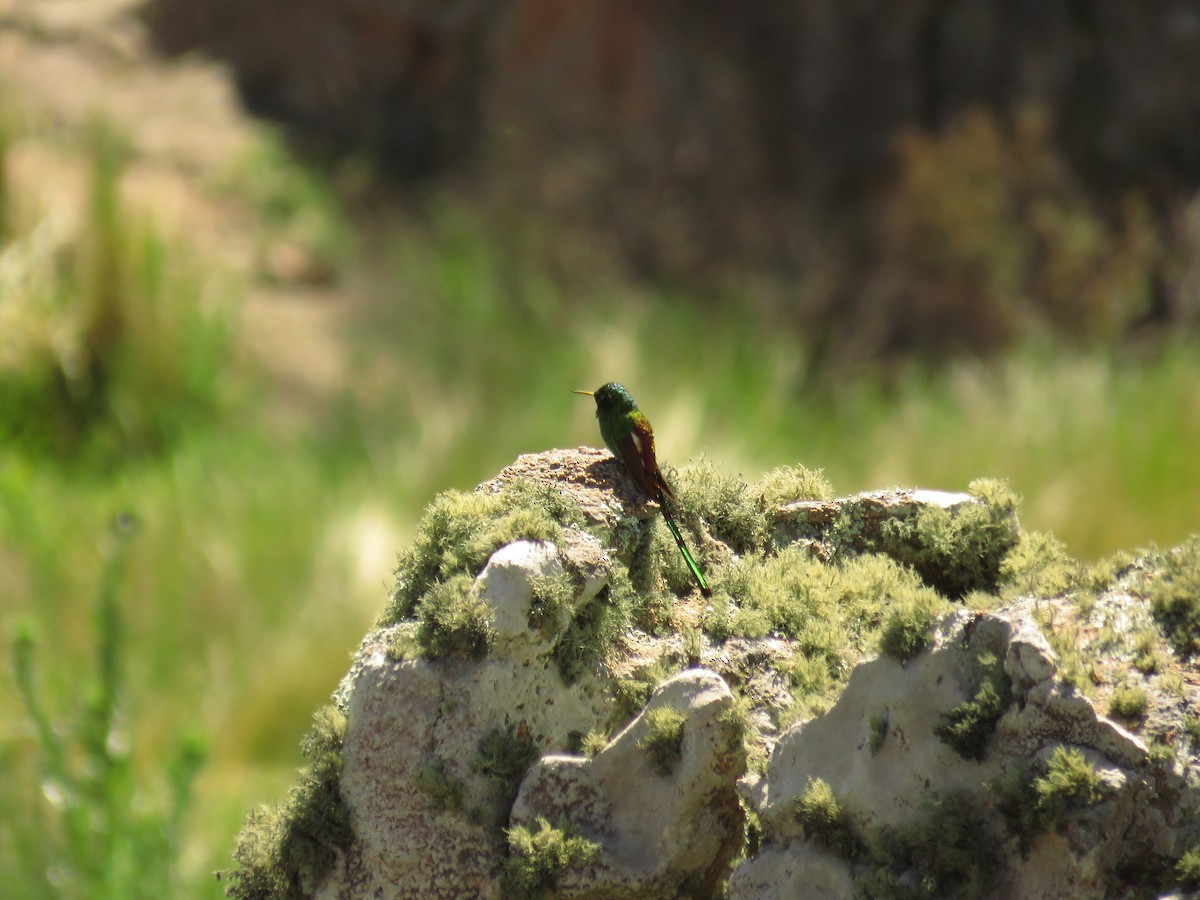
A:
<point x="263" y="556"/>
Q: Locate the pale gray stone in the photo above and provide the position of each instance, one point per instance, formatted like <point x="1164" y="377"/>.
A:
<point x="887" y="787"/>
<point x="506" y="583"/>
<point x="801" y="870"/>
<point x="656" y="831"/>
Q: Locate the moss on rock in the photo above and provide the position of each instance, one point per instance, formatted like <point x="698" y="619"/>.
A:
<point x="285" y="851"/>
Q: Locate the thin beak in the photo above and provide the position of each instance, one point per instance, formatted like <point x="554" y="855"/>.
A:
<point x="586" y="393"/>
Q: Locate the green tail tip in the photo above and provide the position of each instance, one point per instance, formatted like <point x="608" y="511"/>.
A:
<point x="692" y="565"/>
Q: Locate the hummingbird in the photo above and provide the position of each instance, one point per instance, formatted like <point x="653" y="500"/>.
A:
<point x="628" y="435"/>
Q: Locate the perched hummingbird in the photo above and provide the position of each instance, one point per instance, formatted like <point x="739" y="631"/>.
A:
<point x="627" y="433"/>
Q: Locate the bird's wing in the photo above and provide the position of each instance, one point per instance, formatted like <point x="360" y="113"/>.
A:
<point x="641" y="438"/>
<point x="629" y="453"/>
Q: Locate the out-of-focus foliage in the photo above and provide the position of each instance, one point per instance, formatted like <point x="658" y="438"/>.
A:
<point x="111" y="343"/>
<point x="995" y="241"/>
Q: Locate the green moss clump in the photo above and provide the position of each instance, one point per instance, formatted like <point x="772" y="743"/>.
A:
<point x="809" y="675"/>
<point x="1174" y="594"/>
<point x="540" y="855"/>
<point x="551" y="602"/>
<point x="1069" y="783"/>
<point x="1128" y="702"/>
<point x="454" y="621"/>
<point x="1039" y="566"/>
<point x="869" y="588"/>
<point x="1191" y="727"/>
<point x="834" y="613"/>
<point x="824" y="820"/>
<point x="738" y="717"/>
<point x="663" y="741"/>
<point x="829" y="610"/>
<point x="1032" y="803"/>
<point x="322" y="746"/>
<point x="1161" y="752"/>
<point x="968" y="727"/>
<point x="632" y="693"/>
<point x="1187" y="869"/>
<point x="1106" y="573"/>
<point x="782" y="594"/>
<point x="789" y="484"/>
<point x="444" y="789"/>
<point x="737" y="513"/>
<point x="1075" y="668"/>
<point x="401" y="643"/>
<point x="948" y="852"/>
<point x="908" y="625"/>
<point x="730" y="611"/>
<point x="593" y="742"/>
<point x="460" y="530"/>
<point x="960" y="550"/>
<point x="877" y="727"/>
<point x="731" y="510"/>
<point x="287" y="850"/>
<point x="595" y="628"/>
<point x="1145" y="647"/>
<point x="503" y="756"/>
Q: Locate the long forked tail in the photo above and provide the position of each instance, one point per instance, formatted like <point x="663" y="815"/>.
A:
<point x="687" y="556"/>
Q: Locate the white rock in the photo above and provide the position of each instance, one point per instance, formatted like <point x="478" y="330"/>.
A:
<point x="1029" y="660"/>
<point x="1057" y="712"/>
<point x="403" y="846"/>
<point x="404" y="717"/>
<point x="887" y="787"/>
<point x="799" y="871"/>
<point x="944" y="499"/>
<point x="506" y="583"/>
<point x="655" y="831"/>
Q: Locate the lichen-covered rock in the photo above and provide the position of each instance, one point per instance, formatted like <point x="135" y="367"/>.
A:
<point x="593" y="480"/>
<point x="424" y="795"/>
<point x="955" y="541"/>
<point x="906" y="741"/>
<point x="661" y="833"/>
<point x="786" y="872"/>
<point x="514" y="585"/>
<point x="404" y="845"/>
<point x="548" y="707"/>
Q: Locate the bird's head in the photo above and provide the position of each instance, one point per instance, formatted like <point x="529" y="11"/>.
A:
<point x="611" y="398"/>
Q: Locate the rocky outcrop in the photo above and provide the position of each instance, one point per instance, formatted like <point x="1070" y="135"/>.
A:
<point x="418" y="778"/>
<point x="420" y="732"/>
<point x="658" y="830"/>
<point x="1133" y="819"/>
<point x="526" y="728"/>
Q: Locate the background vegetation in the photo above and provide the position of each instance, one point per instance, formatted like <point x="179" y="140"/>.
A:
<point x="186" y="560"/>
